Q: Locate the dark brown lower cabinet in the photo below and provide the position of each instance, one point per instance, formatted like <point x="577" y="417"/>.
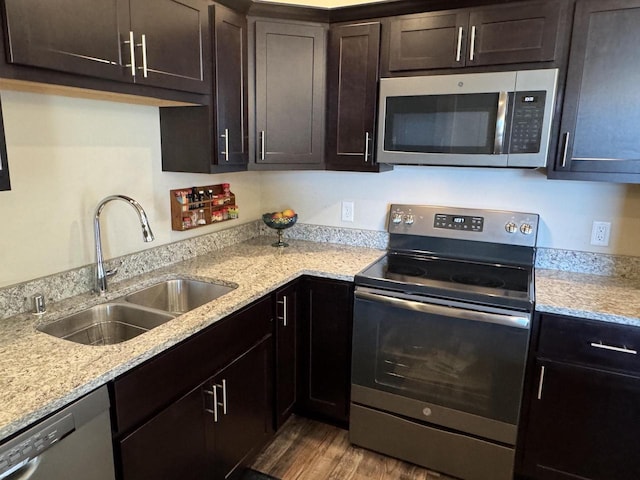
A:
<point x="201" y="409"/>
<point x="239" y="422"/>
<point x="325" y="349"/>
<point x="585" y="402"/>
<point x="286" y="343"/>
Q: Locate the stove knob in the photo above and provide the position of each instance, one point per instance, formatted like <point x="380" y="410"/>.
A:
<point x="511" y="227"/>
<point x="396" y="218"/>
<point x="526" y="228"/>
<point x="408" y="219"/>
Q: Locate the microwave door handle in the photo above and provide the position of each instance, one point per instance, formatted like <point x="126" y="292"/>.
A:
<point x="501" y="121"/>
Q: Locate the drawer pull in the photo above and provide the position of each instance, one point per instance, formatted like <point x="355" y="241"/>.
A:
<point x="540" y="383"/>
<point x="622" y="349"/>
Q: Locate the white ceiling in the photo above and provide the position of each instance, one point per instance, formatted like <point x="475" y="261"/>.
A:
<point x="325" y="3"/>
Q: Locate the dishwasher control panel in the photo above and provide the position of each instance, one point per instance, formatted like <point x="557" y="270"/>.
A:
<point x="25" y="447"/>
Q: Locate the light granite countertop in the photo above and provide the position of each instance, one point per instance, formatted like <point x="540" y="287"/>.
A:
<point x="595" y="297"/>
<point x="41" y="374"/>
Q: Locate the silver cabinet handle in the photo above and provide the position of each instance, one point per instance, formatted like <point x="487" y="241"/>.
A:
<point x="622" y="349"/>
<point x="132" y="53"/>
<point x="540" y="383"/>
<point x="565" y="149"/>
<point x="472" y="54"/>
<point x="283" y="302"/>
<point x="367" y="139"/>
<point x="226" y="144"/>
<point x="224" y="397"/>
<point x="501" y="120"/>
<point x="262" y="144"/>
<point x="143" y="45"/>
<point x="459" y="44"/>
<point x="214" y="412"/>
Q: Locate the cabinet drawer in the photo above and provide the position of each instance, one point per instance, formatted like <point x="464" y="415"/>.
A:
<point x="598" y="344"/>
<point x="149" y="388"/>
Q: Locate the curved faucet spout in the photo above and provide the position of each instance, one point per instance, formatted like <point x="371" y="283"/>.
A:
<point x="147" y="235"/>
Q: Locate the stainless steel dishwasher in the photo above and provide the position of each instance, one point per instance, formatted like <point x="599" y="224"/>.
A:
<point x="72" y="444"/>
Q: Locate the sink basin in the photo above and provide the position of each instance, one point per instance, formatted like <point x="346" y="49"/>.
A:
<point x="178" y="296"/>
<point x="106" y="324"/>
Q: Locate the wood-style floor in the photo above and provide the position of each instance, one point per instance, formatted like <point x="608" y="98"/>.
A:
<point x="305" y="449"/>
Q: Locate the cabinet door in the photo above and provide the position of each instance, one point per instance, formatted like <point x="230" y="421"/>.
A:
<point x="325" y="348"/>
<point x="581" y="424"/>
<point x="171" y="38"/>
<point x="426" y="41"/>
<point x="286" y="321"/>
<point x="77" y="36"/>
<point x="514" y="34"/>
<point x="290" y="84"/>
<point x="599" y="138"/>
<point x="352" y="90"/>
<point x="230" y="86"/>
<point x="242" y="416"/>
<point x="171" y="445"/>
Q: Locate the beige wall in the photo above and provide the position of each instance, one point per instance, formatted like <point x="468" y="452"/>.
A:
<point x="567" y="208"/>
<point x="65" y="155"/>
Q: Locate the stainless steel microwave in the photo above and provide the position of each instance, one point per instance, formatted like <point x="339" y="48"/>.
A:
<point x="499" y="119"/>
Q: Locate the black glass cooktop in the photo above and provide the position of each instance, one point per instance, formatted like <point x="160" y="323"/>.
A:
<point x="467" y="280"/>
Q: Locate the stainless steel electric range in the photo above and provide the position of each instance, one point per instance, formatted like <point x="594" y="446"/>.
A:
<point x="440" y="338"/>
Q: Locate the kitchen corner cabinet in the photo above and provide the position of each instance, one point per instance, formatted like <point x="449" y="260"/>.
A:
<point x="599" y="127"/>
<point x="213" y="138"/>
<point x="5" y="183"/>
<point x="325" y="326"/>
<point x="585" y="402"/>
<point x="286" y="344"/>
<point x="200" y="409"/>
<point x="506" y="34"/>
<point x="352" y="90"/>
<point x="94" y="38"/>
<point x="290" y="68"/>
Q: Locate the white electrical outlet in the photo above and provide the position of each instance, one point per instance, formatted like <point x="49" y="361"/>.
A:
<point x="347" y="212"/>
<point x="600" y="233"/>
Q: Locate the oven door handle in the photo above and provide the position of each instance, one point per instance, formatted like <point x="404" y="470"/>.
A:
<point x="517" y="321"/>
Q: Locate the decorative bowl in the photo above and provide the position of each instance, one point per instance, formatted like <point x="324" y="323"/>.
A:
<point x="279" y="224"/>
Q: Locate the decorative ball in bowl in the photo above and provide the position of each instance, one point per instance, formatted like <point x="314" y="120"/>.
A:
<point x="280" y="221"/>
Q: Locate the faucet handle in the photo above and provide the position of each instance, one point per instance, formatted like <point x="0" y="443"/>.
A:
<point x="112" y="272"/>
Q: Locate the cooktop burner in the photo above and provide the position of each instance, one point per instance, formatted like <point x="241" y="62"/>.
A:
<point x="481" y="281"/>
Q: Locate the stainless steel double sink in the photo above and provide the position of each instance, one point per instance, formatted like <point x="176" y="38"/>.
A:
<point x="127" y="317"/>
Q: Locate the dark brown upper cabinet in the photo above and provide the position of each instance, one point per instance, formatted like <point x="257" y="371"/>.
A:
<point x="5" y="184"/>
<point x="290" y="66"/>
<point x="506" y="34"/>
<point x="352" y="81"/>
<point x="599" y="127"/>
<point x="230" y="86"/>
<point x="159" y="43"/>
<point x="213" y="138"/>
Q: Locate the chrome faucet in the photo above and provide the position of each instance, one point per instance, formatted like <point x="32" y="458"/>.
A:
<point x="101" y="274"/>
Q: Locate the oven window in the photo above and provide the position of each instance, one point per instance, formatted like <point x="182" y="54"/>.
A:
<point x="465" y="365"/>
<point x="441" y="123"/>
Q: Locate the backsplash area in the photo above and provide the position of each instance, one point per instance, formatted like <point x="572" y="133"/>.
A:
<point x="16" y="298"/>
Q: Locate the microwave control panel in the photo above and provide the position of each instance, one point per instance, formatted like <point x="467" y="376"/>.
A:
<point x="526" y="123"/>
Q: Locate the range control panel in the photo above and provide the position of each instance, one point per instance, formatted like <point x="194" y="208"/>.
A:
<point x="493" y="226"/>
<point x="18" y="452"/>
<point x="458" y="222"/>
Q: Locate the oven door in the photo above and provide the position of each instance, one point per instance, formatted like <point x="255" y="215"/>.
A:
<point x="440" y="361"/>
